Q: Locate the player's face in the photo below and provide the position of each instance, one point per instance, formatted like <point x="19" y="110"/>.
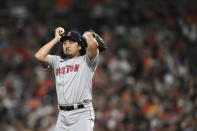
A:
<point x="71" y="48"/>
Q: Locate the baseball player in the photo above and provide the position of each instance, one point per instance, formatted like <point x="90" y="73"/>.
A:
<point x="73" y="70"/>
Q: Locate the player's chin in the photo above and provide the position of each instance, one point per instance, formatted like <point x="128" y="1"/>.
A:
<point x="68" y="55"/>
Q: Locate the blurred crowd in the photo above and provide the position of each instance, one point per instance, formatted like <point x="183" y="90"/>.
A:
<point x="146" y="79"/>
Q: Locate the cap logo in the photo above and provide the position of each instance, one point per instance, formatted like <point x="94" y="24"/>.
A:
<point x="69" y="33"/>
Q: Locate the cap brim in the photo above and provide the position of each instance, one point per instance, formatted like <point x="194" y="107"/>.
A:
<point x="63" y="38"/>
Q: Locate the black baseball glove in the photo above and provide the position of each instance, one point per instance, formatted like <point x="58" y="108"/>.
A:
<point x="101" y="44"/>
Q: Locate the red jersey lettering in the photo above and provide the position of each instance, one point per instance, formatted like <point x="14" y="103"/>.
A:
<point x="67" y="68"/>
<point x="63" y="70"/>
<point x="71" y="68"/>
<point x="76" y="67"/>
<point x="57" y="71"/>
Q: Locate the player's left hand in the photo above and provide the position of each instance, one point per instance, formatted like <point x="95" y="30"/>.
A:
<point x="101" y="44"/>
<point x="87" y="35"/>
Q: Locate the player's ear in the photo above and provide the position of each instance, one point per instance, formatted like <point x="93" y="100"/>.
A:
<point x="80" y="47"/>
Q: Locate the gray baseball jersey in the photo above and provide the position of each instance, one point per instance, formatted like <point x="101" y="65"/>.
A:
<point x="73" y="78"/>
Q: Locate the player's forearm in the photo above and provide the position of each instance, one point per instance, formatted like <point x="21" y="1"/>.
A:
<point x="42" y="53"/>
<point x="92" y="45"/>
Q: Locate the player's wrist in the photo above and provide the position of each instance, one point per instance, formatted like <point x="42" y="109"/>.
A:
<point x="56" y="39"/>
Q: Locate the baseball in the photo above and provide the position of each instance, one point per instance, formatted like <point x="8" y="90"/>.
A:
<point x="61" y="31"/>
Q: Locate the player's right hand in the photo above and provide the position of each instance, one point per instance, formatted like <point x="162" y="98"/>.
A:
<point x="58" y="32"/>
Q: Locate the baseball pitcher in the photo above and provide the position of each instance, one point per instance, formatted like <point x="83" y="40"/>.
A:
<point x="73" y="70"/>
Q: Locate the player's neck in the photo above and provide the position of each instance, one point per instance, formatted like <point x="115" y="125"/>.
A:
<point x="75" y="56"/>
<point x="72" y="56"/>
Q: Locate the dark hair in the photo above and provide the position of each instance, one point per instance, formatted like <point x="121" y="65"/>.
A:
<point x="82" y="51"/>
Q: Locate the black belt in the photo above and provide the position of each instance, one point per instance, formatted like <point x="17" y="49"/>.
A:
<point x="70" y="108"/>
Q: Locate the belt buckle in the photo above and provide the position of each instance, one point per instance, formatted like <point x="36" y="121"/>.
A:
<point x="75" y="106"/>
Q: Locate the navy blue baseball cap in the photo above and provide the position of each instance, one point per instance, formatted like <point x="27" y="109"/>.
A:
<point x="71" y="35"/>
